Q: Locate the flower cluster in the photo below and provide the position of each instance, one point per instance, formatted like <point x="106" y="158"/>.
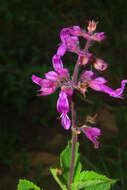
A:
<point x="53" y="80"/>
<point x="60" y="78"/>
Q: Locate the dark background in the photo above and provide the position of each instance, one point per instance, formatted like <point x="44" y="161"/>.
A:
<point x="31" y="136"/>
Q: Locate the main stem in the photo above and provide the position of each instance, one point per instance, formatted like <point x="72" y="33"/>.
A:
<point x="74" y="140"/>
<point x="74" y="124"/>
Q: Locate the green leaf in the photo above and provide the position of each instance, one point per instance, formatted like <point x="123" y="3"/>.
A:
<point x="65" y="160"/>
<point x="27" y="185"/>
<point x="57" y="178"/>
<point x="92" y="181"/>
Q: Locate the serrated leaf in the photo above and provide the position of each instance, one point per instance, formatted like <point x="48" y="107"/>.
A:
<point x="91" y="181"/>
<point x="27" y="185"/>
<point x="97" y="185"/>
<point x="90" y="175"/>
<point x="54" y="172"/>
<point x="65" y="160"/>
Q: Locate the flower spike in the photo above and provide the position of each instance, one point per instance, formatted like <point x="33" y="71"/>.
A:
<point x="60" y="78"/>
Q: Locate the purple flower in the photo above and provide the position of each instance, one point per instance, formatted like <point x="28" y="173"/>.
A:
<point x="63" y="108"/>
<point x="98" y="84"/>
<point x="69" y="43"/>
<point x="92" y="133"/>
<point x="53" y="80"/>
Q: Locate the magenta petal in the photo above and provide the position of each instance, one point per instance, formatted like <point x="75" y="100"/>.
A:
<point x="36" y="79"/>
<point x="45" y="83"/>
<point x="76" y="30"/>
<point x="57" y="62"/>
<point x="114" y="93"/>
<point x="103" y="88"/>
<point x="98" y="36"/>
<point x="47" y="86"/>
<point x="100" y="80"/>
<point x="61" y="50"/>
<point x="65" y="32"/>
<point x="92" y="133"/>
<point x="69" y="92"/>
<point x="72" y="43"/>
<point x="47" y="91"/>
<point x="97" y="84"/>
<point x="65" y="121"/>
<point x="51" y="75"/>
<point x="63" y="73"/>
<point x="87" y="76"/>
<point x="62" y="103"/>
<point x="120" y="90"/>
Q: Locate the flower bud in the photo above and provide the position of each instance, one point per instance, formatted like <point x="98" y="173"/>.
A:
<point x="100" y="65"/>
<point x="83" y="59"/>
<point x="92" y="26"/>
